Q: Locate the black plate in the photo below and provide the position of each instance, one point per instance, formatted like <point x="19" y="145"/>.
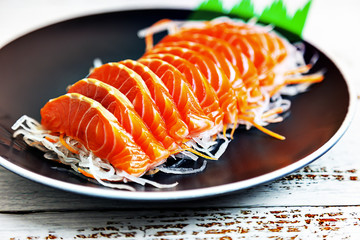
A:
<point x="40" y="65"/>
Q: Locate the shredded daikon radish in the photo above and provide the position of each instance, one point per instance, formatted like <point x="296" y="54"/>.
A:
<point x="97" y="62"/>
<point x="102" y="171"/>
<point x="182" y="170"/>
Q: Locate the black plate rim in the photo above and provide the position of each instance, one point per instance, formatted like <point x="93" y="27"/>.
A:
<point x="193" y="193"/>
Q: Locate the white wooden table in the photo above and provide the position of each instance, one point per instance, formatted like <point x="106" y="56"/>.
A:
<point x="320" y="201"/>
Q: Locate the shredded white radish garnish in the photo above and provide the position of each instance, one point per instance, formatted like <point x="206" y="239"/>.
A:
<point x="182" y="170"/>
<point x="102" y="171"/>
<point x="97" y="62"/>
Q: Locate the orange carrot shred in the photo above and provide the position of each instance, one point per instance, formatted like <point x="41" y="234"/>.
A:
<point x="50" y="140"/>
<point x="152" y="171"/>
<point x="264" y="130"/>
<point x="302" y="69"/>
<point x="224" y="131"/>
<point x="313" y="78"/>
<point x="177" y="151"/>
<point x="214" y="137"/>
<point x="269" y="132"/>
<point x="234" y="127"/>
<point x="85" y="173"/>
<point x="276" y="89"/>
<point x="63" y="142"/>
<point x="149" y="42"/>
<point x="186" y="148"/>
<point x="272" y="112"/>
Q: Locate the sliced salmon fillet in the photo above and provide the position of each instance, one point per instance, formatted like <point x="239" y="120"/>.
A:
<point x="239" y="39"/>
<point x="182" y="94"/>
<point x="117" y="103"/>
<point x="260" y="46"/>
<point x="177" y="128"/>
<point x="204" y="92"/>
<point x="273" y="44"/>
<point x="133" y="87"/>
<point x="237" y="67"/>
<point x="212" y="73"/>
<point x="97" y="129"/>
<point x="224" y="65"/>
<point x="213" y="39"/>
<point x="211" y="47"/>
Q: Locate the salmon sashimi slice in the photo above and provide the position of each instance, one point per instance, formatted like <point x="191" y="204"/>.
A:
<point x="212" y="39"/>
<point x="232" y="34"/>
<point x="204" y="92"/>
<point x="208" y="46"/>
<point x="181" y="92"/>
<point x="234" y="76"/>
<point x="177" y="128"/>
<point x="212" y="73"/>
<point x="133" y="87"/>
<point x="88" y="122"/>
<point x="235" y="64"/>
<point x="272" y="43"/>
<point x="118" y="104"/>
<point x="275" y="50"/>
<point x="267" y="43"/>
<point x="254" y="43"/>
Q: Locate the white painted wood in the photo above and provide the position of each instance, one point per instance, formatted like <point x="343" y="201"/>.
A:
<point x="260" y="222"/>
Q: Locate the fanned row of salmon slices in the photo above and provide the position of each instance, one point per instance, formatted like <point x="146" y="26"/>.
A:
<point x="126" y="118"/>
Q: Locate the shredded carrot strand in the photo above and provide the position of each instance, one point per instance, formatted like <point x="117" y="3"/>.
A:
<point x="85" y="173"/>
<point x="214" y="137"/>
<point x="263" y="129"/>
<point x="186" y="148"/>
<point x="272" y="112"/>
<point x="224" y="131"/>
<point x="149" y="42"/>
<point x="57" y="160"/>
<point x="50" y="139"/>
<point x="234" y="127"/>
<point x="302" y="69"/>
<point x="63" y="142"/>
<point x="314" y="78"/>
<point x="276" y="89"/>
<point x="152" y="171"/>
<point x="269" y="132"/>
<point x="177" y="151"/>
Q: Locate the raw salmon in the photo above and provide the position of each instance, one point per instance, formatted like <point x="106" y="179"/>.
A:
<point x="247" y="70"/>
<point x="97" y="129"/>
<point x="177" y="128"/>
<point x="212" y="73"/>
<point x="180" y="90"/>
<point x="262" y="48"/>
<point x="117" y="103"/>
<point x="133" y="87"/>
<point x="204" y="92"/>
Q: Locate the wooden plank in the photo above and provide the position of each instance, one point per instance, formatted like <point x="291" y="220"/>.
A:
<point x="332" y="179"/>
<point x="219" y="223"/>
